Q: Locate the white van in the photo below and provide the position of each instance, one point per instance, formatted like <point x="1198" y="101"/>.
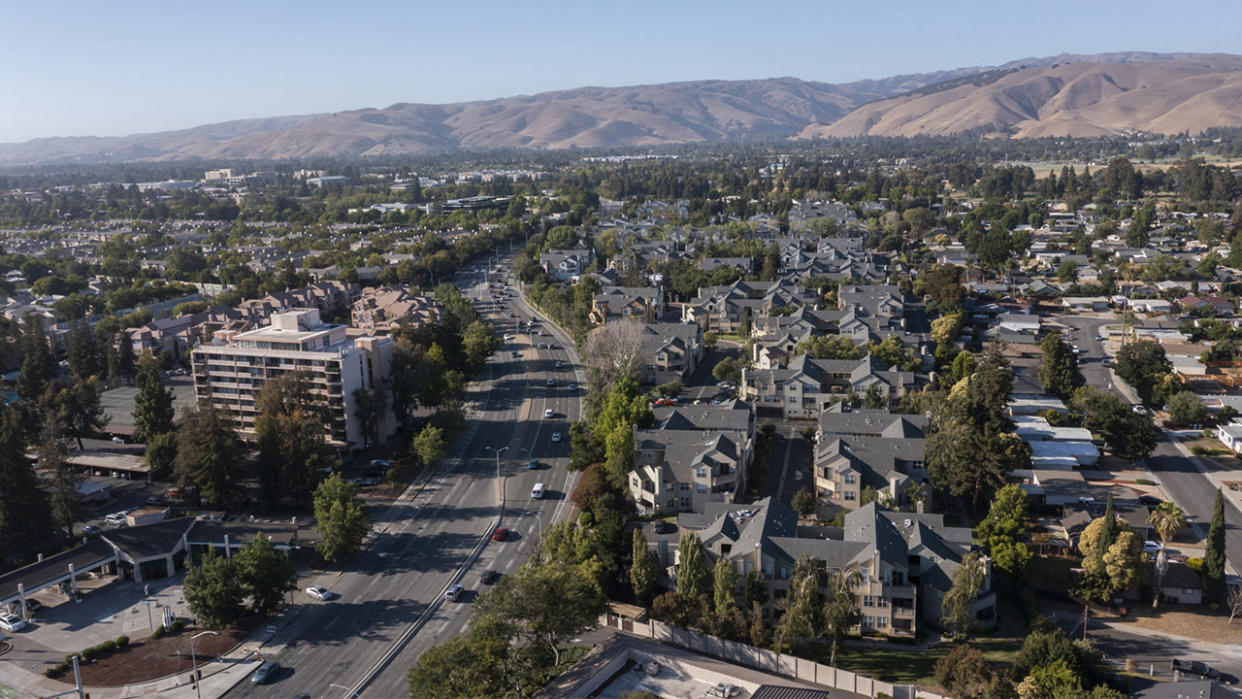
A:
<point x="537" y="491"/>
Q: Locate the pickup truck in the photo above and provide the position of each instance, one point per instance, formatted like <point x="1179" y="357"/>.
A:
<point x="1195" y="667"/>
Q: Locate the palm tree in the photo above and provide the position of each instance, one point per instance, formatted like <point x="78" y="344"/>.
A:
<point x="841" y="610"/>
<point x="1166" y="519"/>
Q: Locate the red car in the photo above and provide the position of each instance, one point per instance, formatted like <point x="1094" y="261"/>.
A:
<point x="500" y="534"/>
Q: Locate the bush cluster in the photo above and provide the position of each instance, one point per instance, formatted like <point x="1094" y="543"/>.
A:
<point x="87" y="655"/>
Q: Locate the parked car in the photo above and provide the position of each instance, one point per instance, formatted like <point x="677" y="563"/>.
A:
<point x="534" y="464"/>
<point x="556" y="436"/>
<point x="724" y="690"/>
<point x="115" y="519"/>
<point x="91" y="530"/>
<point x="1151" y="547"/>
<point x="155" y="500"/>
<point x="454" y="592"/>
<point x="380" y="463"/>
<point x="118" y="440"/>
<point x="319" y="592"/>
<point x="489" y="576"/>
<point x="500" y="534"/>
<point x="1196" y="668"/>
<point x="265" y="672"/>
<point x="11" y="623"/>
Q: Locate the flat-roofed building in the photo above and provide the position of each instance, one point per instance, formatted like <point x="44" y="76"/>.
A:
<point x="230" y="372"/>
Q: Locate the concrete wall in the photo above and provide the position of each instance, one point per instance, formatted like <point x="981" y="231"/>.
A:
<point x="771" y="661"/>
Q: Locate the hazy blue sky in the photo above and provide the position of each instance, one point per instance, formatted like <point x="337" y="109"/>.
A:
<point x="112" y="68"/>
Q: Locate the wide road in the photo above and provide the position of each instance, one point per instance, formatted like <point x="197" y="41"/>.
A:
<point x="442" y="535"/>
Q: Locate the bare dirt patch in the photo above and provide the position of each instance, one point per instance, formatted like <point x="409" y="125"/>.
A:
<point x="153" y="658"/>
<point x="1189" y="622"/>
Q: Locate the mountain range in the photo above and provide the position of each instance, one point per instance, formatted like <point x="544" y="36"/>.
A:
<point x="1065" y="95"/>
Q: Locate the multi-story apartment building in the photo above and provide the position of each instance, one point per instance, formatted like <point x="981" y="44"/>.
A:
<point x="906" y="561"/>
<point x="230" y="372"/>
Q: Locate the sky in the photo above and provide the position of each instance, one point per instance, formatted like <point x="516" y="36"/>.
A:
<point x="107" y="68"/>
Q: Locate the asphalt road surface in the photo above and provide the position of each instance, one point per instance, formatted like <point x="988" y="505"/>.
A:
<point x="396" y="586"/>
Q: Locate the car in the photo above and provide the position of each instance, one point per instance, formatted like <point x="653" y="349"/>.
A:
<point x="500" y="534"/>
<point x="11" y="623"/>
<point x="380" y="463"/>
<point x="115" y="519"/>
<point x="91" y="530"/>
<point x="154" y="500"/>
<point x="560" y="365"/>
<point x="542" y="346"/>
<point x="1107" y="362"/>
<point x="556" y="436"/>
<point x="508" y="336"/>
<point x="724" y="690"/>
<point x="665" y="401"/>
<point x="1141" y="410"/>
<point x="1151" y="547"/>
<point x="454" y="592"/>
<point x="489" y="576"/>
<point x="1197" y="668"/>
<point x="551" y="382"/>
<point x="118" y="440"/>
<point x="265" y="672"/>
<point x="548" y="413"/>
<point x="534" y="464"/>
<point x="319" y="592"/>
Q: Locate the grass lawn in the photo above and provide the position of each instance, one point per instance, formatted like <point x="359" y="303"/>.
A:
<point x="910" y="665"/>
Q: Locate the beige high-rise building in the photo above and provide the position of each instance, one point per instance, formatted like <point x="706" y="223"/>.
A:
<point x="231" y="370"/>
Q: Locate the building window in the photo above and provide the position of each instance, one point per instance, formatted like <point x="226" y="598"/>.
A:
<point x="868" y="601"/>
<point x="850" y="479"/>
<point x="851" y="495"/>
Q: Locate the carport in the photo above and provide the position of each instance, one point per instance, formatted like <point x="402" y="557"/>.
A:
<point x="118" y="464"/>
<point x="64" y="567"/>
<point x="151" y="550"/>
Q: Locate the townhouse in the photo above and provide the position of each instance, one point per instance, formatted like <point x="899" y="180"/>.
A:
<point x="670" y="352"/>
<point x="871" y="450"/>
<point x="565" y="265"/>
<point x="693" y="455"/>
<point x="807" y="386"/>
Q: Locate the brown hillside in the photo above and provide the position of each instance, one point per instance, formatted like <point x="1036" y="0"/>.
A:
<point x="1073" y="99"/>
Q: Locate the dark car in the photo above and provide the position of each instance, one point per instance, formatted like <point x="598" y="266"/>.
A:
<point x="1196" y="668"/>
<point x="489" y="577"/>
<point x="534" y="464"/>
<point x="265" y="672"/>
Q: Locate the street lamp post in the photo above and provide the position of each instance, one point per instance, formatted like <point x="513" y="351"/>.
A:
<point x="498" y="451"/>
<point x="198" y="691"/>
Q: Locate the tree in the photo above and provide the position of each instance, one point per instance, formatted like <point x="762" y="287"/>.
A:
<point x="25" y="515"/>
<point x="756" y="588"/>
<point x="1186" y="408"/>
<point x="161" y="454"/>
<point x="957" y="607"/>
<point x="1058" y="368"/>
<point x="213" y="590"/>
<point x="1167" y="519"/>
<point x="545" y="604"/>
<point x="1235" y="602"/>
<point x="963" y="366"/>
<point x="615" y="350"/>
<point x="694" y="577"/>
<point x="803" y="618"/>
<point x="462" y="667"/>
<point x="1214" y="554"/>
<point x="289" y="429"/>
<point x="208" y="454"/>
<point x="265" y="574"/>
<point x="1144" y="366"/>
<point x="943" y="284"/>
<point x="430" y="445"/>
<point x="841" y="612"/>
<point x="728" y="369"/>
<point x="1067" y="271"/>
<point x="643" y="569"/>
<point x="804" y="501"/>
<point x="125" y="366"/>
<point x="153" y="404"/>
<point x="1002" y="531"/>
<point x="53" y="457"/>
<point x="1129" y="435"/>
<point x="964" y="673"/>
<point x="80" y="412"/>
<point x="1055" y="681"/>
<point x="1112" y="558"/>
<point x="37" y="366"/>
<point x="341" y="519"/>
<point x="725" y="587"/>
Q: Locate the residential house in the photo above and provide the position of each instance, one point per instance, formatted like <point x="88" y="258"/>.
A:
<point x="808" y="386"/>
<point x="691" y="456"/>
<point x="870" y="449"/>
<point x="381" y="310"/>
<point x="670" y="352"/>
<point x="565" y="265"/>
<point x="616" y="302"/>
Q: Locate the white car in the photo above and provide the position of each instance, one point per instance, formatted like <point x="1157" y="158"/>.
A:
<point x="115" y="519"/>
<point x="11" y="622"/>
<point x="1151" y="547"/>
<point x="319" y="592"/>
<point x="508" y="336"/>
<point x="547" y="412"/>
<point x="556" y="436"/>
<point x="453" y="592"/>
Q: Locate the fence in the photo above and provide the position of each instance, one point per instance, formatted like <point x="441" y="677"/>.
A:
<point x="766" y="660"/>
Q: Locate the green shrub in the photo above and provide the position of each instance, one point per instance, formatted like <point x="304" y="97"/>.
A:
<point x="159" y="631"/>
<point x="1145" y="481"/>
<point x="178" y="625"/>
<point x="122" y="641"/>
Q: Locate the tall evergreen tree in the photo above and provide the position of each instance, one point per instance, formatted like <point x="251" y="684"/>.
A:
<point x="79" y="407"/>
<point x="293" y="450"/>
<point x="208" y="454"/>
<point x="25" y="516"/>
<point x="694" y="576"/>
<point x="642" y="567"/>
<point x="153" y="405"/>
<point x="1214" y="556"/>
<point x="1058" y="368"/>
<point x="53" y="455"/>
<point x="37" y="365"/>
<point x="125" y="361"/>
